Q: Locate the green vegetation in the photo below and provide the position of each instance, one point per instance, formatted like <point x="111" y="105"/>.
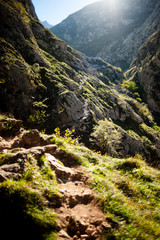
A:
<point x="131" y="86"/>
<point x="128" y="192"/>
<point x="24" y="203"/>
<point x="106" y="137"/>
<point x="38" y="118"/>
<point x="129" y="195"/>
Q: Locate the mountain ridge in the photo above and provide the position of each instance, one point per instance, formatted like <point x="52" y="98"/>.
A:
<point x="48" y="84"/>
<point x="46" y="24"/>
<point x="94" y="32"/>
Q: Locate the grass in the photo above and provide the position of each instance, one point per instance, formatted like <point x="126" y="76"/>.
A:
<point x="128" y="191"/>
<point x="23" y="208"/>
<point x="25" y="204"/>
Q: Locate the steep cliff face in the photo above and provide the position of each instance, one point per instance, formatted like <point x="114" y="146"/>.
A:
<point x="48" y="84"/>
<point x="146" y="72"/>
<point x="31" y="55"/>
<point x="112" y="30"/>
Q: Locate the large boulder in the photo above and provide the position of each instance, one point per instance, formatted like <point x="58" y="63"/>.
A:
<point x="32" y="138"/>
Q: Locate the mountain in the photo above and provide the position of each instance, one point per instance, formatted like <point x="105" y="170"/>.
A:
<point x="51" y="185"/>
<point x="145" y="72"/>
<point x="46" y="24"/>
<point x="47" y="84"/>
<point x="113" y="31"/>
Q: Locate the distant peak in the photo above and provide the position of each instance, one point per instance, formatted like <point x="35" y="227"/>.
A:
<point x="46" y="24"/>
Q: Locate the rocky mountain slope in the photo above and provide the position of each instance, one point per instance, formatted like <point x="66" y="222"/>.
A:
<point x="112" y="30"/>
<point x="48" y="84"/>
<point x="53" y="186"/>
<point x="145" y="72"/>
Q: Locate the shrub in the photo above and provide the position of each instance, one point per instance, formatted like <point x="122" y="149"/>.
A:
<point x="106" y="137"/>
<point x="130" y="85"/>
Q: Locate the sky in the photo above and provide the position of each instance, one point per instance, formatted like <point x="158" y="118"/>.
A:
<point x="55" y="11"/>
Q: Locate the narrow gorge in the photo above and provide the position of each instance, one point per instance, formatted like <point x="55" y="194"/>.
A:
<point x="80" y="137"/>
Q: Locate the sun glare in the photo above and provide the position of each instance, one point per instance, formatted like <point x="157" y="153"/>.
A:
<point x="112" y="4"/>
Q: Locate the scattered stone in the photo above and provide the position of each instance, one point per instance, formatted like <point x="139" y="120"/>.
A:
<point x="32" y="138"/>
<point x="94" y="234"/>
<point x="10" y="171"/>
<point x="63" y="173"/>
<point x="17" y="143"/>
<point x="75" y="237"/>
<point x="50" y="148"/>
<point x="85" y="236"/>
<point x="3" y="176"/>
<point x="90" y="230"/>
<point x="4" y="144"/>
<point x="99" y="229"/>
<point x="106" y="226"/>
<point x="63" y="234"/>
<point x="15" y="168"/>
<point x="96" y="222"/>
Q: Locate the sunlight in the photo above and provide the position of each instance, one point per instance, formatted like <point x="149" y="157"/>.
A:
<point x="112" y="4"/>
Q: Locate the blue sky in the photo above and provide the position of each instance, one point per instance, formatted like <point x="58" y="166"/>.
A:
<point x="54" y="11"/>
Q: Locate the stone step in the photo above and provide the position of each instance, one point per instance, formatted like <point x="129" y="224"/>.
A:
<point x="76" y="193"/>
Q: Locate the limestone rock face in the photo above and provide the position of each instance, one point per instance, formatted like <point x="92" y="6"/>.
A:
<point x="118" y="142"/>
<point x="112" y="30"/>
<point x="146" y="72"/>
<point x="43" y="79"/>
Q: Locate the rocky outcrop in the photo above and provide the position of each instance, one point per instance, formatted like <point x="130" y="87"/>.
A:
<point x="145" y="71"/>
<point x="9" y="125"/>
<point x="112" y="139"/>
<point x="40" y="75"/>
<point x="32" y="138"/>
<point x="112" y="30"/>
<point x="11" y="171"/>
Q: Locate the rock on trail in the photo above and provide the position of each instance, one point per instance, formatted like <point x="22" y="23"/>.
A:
<point x="79" y="216"/>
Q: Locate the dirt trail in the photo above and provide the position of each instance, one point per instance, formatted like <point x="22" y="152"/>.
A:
<point x="79" y="217"/>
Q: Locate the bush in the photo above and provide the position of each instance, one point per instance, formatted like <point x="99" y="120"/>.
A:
<point x="130" y="85"/>
<point x="106" y="137"/>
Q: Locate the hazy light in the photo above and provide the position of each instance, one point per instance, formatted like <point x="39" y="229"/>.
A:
<point x="113" y="4"/>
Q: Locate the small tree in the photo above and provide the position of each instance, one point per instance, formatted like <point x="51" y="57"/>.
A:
<point x="106" y="137"/>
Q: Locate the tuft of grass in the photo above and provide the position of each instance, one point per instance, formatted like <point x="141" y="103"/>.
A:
<point x="23" y="208"/>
